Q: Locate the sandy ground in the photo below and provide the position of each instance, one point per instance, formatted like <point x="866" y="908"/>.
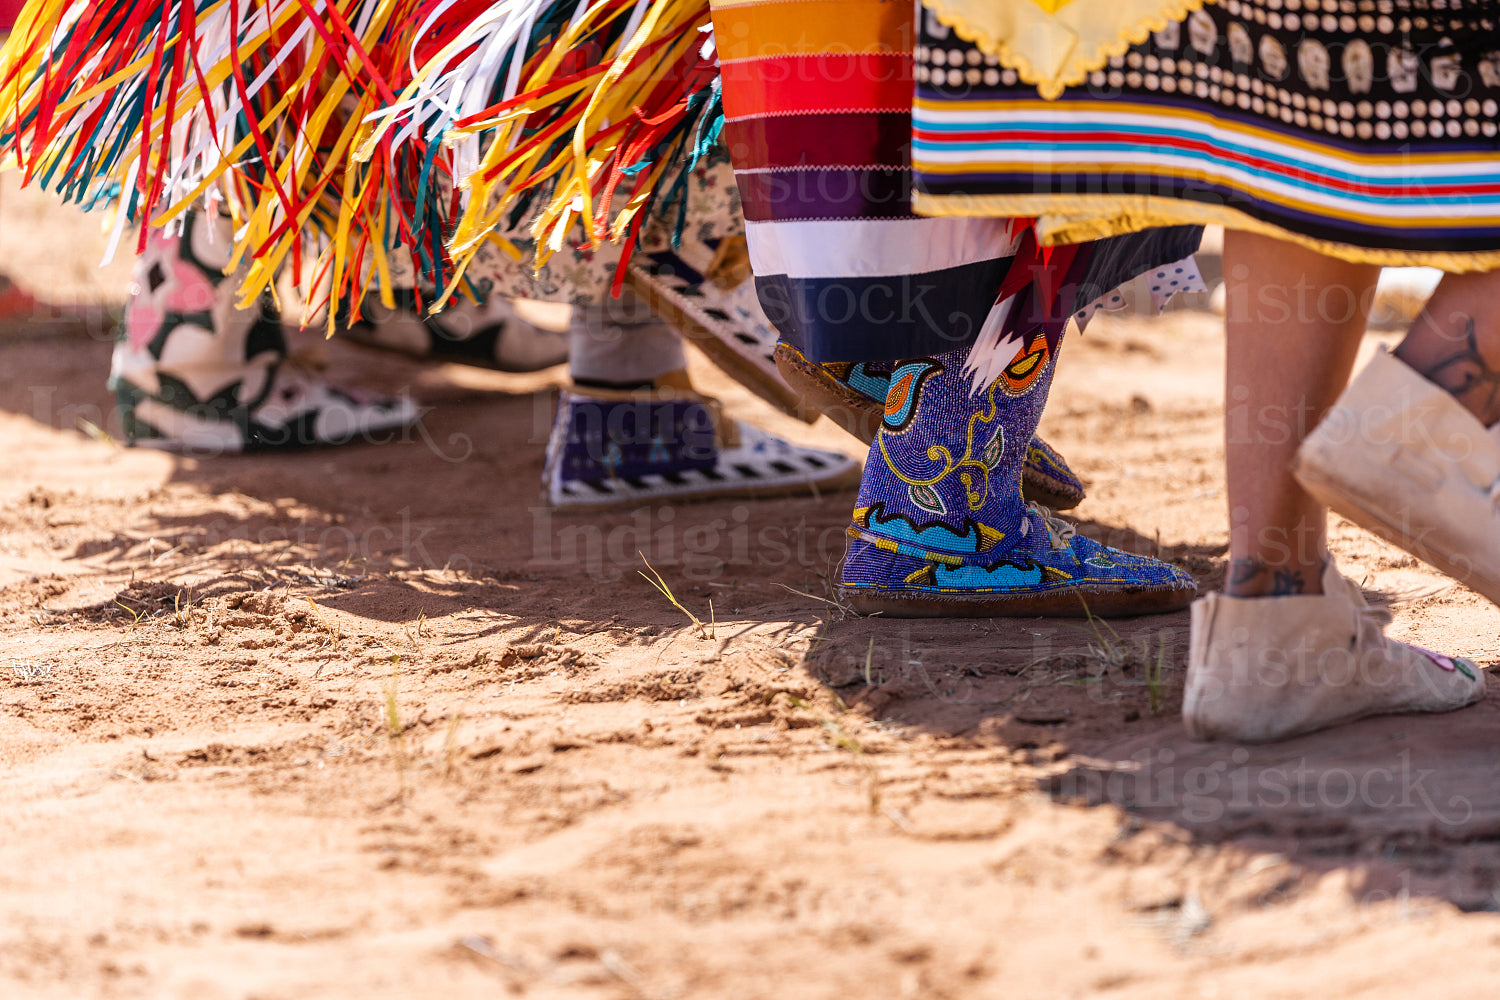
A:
<point x="371" y="723"/>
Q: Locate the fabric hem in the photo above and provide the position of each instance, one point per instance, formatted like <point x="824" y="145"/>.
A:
<point x="1062" y="219"/>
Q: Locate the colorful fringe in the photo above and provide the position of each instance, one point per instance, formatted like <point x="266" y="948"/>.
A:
<point x="578" y="105"/>
<point x="156" y="105"/>
<point x="368" y="124"/>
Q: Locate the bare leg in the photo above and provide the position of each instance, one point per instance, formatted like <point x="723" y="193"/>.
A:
<point x="1294" y="319"/>
<point x="1455" y="342"/>
<point x="1287" y="648"/>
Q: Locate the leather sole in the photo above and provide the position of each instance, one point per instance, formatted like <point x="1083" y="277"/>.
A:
<point x="1120" y="603"/>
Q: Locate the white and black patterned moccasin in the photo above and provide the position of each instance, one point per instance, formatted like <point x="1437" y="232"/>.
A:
<point x="193" y="372"/>
<point x="490" y="335"/>
<point x="622" y="450"/>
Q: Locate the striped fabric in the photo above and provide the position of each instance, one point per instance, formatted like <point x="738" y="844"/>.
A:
<point x="818" y="108"/>
<point x="1292" y="126"/>
<point x="817" y="104"/>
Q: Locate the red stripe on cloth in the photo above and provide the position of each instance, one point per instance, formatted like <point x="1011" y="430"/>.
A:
<point x="826" y="193"/>
<point x="1036" y="140"/>
<point x="803" y="84"/>
<point x="859" y="139"/>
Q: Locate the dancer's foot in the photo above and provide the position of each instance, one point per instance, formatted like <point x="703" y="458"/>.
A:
<point x="191" y="372"/>
<point x="1047" y="479"/>
<point x="614" y="448"/>
<point x="279" y="407"/>
<point x="1050" y="571"/>
<point x="940" y="528"/>
<point x="853" y="396"/>
<point x="486" y="336"/>
<point x="1401" y="457"/>
<point x="1265" y="668"/>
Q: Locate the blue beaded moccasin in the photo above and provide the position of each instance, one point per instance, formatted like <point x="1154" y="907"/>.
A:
<point x="853" y="396"/>
<point x="940" y="527"/>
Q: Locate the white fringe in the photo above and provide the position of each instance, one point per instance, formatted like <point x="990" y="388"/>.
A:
<point x="989" y="355"/>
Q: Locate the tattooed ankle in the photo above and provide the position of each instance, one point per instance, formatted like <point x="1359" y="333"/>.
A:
<point x="1253" y="578"/>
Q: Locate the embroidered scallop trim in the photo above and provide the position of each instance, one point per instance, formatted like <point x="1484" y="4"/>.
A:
<point x="1077" y="68"/>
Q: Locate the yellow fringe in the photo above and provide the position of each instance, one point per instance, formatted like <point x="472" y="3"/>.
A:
<point x="256" y="213"/>
<point x="575" y="171"/>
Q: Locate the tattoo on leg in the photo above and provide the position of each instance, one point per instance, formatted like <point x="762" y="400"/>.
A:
<point x="1467" y="371"/>
<point x="1245" y="574"/>
<point x="1242" y="571"/>
<point x="1288" y="581"/>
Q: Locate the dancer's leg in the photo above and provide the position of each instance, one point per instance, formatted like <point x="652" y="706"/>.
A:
<point x="632" y="428"/>
<point x="621" y="344"/>
<point x="484" y="335"/>
<point x="1410" y="451"/>
<point x="1293" y="322"/>
<point x="1455" y="342"/>
<point x="940" y="528"/>
<point x="1291" y="647"/>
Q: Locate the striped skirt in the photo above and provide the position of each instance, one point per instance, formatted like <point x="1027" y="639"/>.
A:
<point x="1365" y="129"/>
<point x="818" y="121"/>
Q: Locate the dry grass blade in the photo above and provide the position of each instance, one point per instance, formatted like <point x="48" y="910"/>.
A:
<point x="136" y="617"/>
<point x="450" y="743"/>
<point x="704" y="631"/>
<point x="182" y="610"/>
<point x="841" y="739"/>
<point x="1155" y="689"/>
<point x="334" y="635"/>
<point x="394" y="730"/>
<point x="413" y="630"/>
<point x="845" y="611"/>
<point x="98" y="433"/>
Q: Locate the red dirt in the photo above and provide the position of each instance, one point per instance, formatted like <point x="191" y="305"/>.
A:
<point x="386" y="728"/>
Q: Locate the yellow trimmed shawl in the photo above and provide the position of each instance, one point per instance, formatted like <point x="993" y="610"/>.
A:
<point x="1056" y="43"/>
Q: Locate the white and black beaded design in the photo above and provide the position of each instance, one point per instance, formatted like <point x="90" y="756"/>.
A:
<point x="1367" y="123"/>
<point x="1381" y="71"/>
<point x="598" y="456"/>
<point x="709" y="299"/>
